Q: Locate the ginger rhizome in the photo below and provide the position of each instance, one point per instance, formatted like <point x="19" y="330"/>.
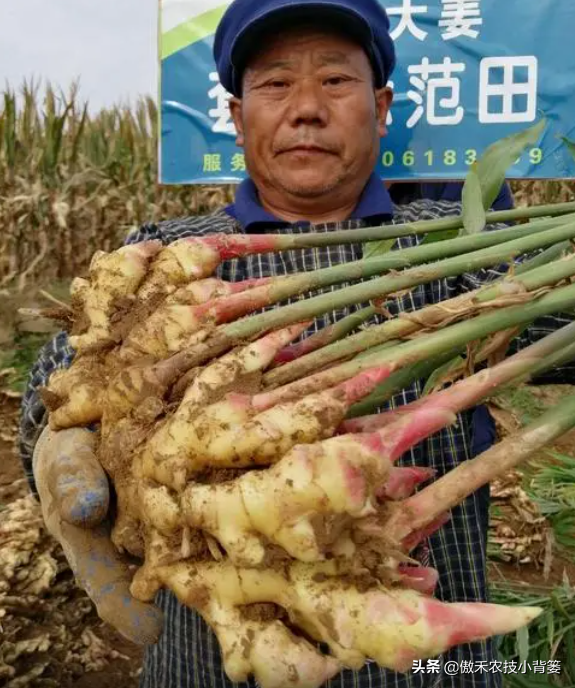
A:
<point x="244" y="481"/>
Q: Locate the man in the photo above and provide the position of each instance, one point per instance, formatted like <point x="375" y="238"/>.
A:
<point x="310" y="105"/>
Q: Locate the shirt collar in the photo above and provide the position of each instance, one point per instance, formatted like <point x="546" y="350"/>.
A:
<point x="374" y="207"/>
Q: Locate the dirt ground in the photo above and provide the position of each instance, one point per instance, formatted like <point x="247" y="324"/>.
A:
<point x="516" y="522"/>
<point x="50" y="634"/>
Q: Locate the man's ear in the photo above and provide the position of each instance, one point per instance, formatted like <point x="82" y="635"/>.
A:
<point x="383" y="101"/>
<point x="235" y="105"/>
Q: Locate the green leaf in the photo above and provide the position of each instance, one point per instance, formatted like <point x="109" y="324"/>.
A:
<point x="378" y="248"/>
<point x="522" y="636"/>
<point x="556" y="602"/>
<point x="473" y="211"/>
<point x="439" y="373"/>
<point x="550" y="627"/>
<point x="569" y="144"/>
<point x="500" y="156"/>
<point x="446" y="235"/>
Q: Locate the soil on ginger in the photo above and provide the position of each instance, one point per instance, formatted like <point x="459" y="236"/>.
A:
<point x="52" y="625"/>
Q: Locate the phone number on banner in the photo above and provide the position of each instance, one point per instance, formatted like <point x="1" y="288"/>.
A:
<point x="446" y="157"/>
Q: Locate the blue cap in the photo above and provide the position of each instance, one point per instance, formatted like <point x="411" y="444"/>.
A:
<point x="246" y="20"/>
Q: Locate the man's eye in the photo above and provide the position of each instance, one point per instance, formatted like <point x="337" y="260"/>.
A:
<point x="335" y="80"/>
<point x="277" y="83"/>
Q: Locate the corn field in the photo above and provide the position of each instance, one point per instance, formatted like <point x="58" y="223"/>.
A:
<point x="72" y="183"/>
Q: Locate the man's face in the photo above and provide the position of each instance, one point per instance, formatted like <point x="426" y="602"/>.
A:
<point x="309" y="119"/>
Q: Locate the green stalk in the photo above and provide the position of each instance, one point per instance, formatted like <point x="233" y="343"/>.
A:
<point x="429" y="415"/>
<point x="226" y="336"/>
<point x="432" y="315"/>
<point x="550" y="254"/>
<point x="433" y="344"/>
<point x="327" y="335"/>
<point x="233" y="307"/>
<point x="420" y="510"/>
<point x="366" y="234"/>
<point x="399" y="380"/>
<point x="333" y="333"/>
<point x="420" y="371"/>
<point x="379" y="347"/>
<point x="388" y="284"/>
<point x="555" y="359"/>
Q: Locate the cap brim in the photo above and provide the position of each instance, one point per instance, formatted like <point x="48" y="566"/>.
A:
<point x="268" y="23"/>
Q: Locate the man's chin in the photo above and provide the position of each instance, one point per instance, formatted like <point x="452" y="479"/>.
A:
<point x="309" y="188"/>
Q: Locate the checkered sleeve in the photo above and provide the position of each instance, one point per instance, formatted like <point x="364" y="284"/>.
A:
<point x="55" y="354"/>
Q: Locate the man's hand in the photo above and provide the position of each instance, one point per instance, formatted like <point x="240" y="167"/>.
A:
<point x="74" y="498"/>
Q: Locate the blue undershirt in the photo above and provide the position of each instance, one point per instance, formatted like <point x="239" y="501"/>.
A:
<point x="374" y="207"/>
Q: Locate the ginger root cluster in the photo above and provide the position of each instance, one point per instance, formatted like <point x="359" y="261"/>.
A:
<point x="285" y="532"/>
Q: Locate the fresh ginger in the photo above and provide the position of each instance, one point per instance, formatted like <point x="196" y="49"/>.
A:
<point x="280" y="522"/>
<point x="181" y="262"/>
<point x="232" y="434"/>
<point x="211" y="288"/>
<point x="391" y="626"/>
<point x="192" y="258"/>
<point x="74" y="396"/>
<point x="294" y="503"/>
<point x="114" y="278"/>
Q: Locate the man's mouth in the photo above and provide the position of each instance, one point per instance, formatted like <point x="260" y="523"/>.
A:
<point x="307" y="149"/>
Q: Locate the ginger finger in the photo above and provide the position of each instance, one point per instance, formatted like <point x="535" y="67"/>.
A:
<point x="294" y="504"/>
<point x="278" y="659"/>
<point x="178" y="263"/>
<point x="73" y="396"/>
<point x="112" y="277"/>
<point x="394" y="627"/>
<point x="166" y="331"/>
<point x="265" y="649"/>
<point x="173" y="326"/>
<point x="196" y="258"/>
<point x="227" y="369"/>
<point x="210" y="288"/>
<point x="178" y="448"/>
<point x="143" y="382"/>
<point x="274" y="431"/>
<point x="229" y="434"/>
<point x="402" y="481"/>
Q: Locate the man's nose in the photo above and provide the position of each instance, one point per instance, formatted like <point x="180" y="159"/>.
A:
<point x="307" y="103"/>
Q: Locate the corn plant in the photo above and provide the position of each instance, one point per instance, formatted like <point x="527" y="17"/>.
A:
<point x="72" y="182"/>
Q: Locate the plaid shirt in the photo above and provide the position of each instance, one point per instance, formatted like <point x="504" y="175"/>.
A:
<point x="187" y="654"/>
